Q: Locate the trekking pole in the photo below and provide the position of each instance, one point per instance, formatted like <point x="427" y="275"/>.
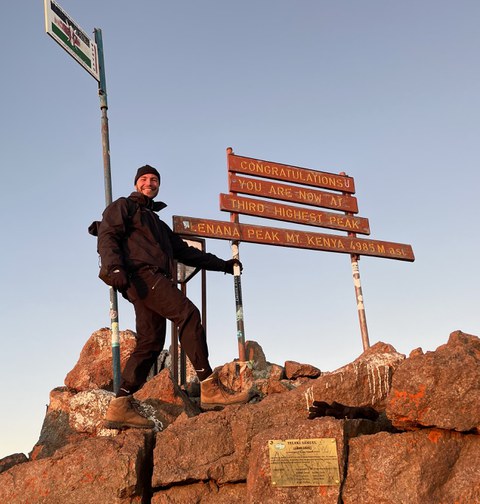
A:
<point x="237" y="284"/>
<point x="102" y="92"/>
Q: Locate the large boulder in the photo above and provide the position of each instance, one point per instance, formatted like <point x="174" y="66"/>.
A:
<point x="11" y="460"/>
<point x="294" y="370"/>
<point x="440" y="388"/>
<point x="429" y="466"/>
<point x="167" y="398"/>
<point x="261" y="487"/>
<point x="364" y="382"/>
<point x="204" y="493"/>
<point x="114" y="470"/>
<point x="217" y="446"/>
<point x="94" y="367"/>
<point x="72" y="417"/>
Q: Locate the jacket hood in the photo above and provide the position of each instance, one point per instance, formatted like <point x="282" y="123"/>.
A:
<point x="147" y="202"/>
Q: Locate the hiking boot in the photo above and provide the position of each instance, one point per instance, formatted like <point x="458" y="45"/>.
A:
<point x="121" y="414"/>
<point x="214" y="395"/>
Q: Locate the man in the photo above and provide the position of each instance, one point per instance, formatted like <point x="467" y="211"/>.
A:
<point x="137" y="250"/>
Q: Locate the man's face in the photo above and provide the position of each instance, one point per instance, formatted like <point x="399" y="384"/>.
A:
<point x="148" y="185"/>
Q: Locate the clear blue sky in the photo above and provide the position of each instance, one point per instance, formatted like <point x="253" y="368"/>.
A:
<point x="385" y="91"/>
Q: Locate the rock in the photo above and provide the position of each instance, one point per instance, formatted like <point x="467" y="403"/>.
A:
<point x="72" y="418"/>
<point x="364" y="382"/>
<point x="12" y="460"/>
<point x="260" y="488"/>
<point x="186" y="451"/>
<point x="94" y="367"/>
<point x="430" y="466"/>
<point x="236" y="376"/>
<point x="206" y="493"/>
<point x="166" y="397"/>
<point x="217" y="445"/>
<point x="270" y="380"/>
<point x="294" y="370"/>
<point x="114" y="470"/>
<point x="440" y="389"/>
<point x="254" y="353"/>
<point x="416" y="352"/>
<point x="222" y="457"/>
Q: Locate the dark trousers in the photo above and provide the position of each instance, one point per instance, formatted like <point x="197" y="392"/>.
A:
<point x="156" y="298"/>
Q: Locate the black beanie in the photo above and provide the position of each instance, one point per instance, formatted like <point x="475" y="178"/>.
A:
<point x="143" y="170"/>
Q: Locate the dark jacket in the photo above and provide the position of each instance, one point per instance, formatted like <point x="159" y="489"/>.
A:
<point x="133" y="236"/>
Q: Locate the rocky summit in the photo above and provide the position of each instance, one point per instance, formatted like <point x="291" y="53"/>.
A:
<point x="385" y="428"/>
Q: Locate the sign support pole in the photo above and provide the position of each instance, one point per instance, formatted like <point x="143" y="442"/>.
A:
<point x="237" y="283"/>
<point x="362" y="318"/>
<point x="359" y="296"/>
<point x="102" y="93"/>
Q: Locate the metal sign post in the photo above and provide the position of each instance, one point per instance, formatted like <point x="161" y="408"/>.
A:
<point x="102" y="93"/>
<point x="67" y="33"/>
<point x="362" y="317"/>
<point x="185" y="274"/>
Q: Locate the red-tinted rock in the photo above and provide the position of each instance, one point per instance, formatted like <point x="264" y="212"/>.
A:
<point x="440" y="389"/>
<point x="12" y="460"/>
<point x="98" y="470"/>
<point x="254" y="353"/>
<point x="216" y="445"/>
<point x="430" y="466"/>
<point x="294" y="370"/>
<point x="364" y="382"/>
<point x="72" y="418"/>
<point x="204" y="493"/>
<point x="166" y="397"/>
<point x="94" y="367"/>
<point x="261" y="489"/>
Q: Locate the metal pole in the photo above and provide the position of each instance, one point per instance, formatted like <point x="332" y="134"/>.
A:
<point x="359" y="296"/>
<point x="102" y="93"/>
<point x="183" y="357"/>
<point x="362" y="318"/>
<point x="237" y="284"/>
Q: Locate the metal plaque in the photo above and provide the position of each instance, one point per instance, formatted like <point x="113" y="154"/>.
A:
<point x="291" y="238"/>
<point x="278" y="171"/>
<point x="290" y="213"/>
<point x="304" y="462"/>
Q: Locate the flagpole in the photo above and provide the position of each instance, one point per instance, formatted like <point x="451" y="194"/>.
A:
<point x="102" y="93"/>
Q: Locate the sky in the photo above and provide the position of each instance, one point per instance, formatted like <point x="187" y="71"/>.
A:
<point x="387" y="92"/>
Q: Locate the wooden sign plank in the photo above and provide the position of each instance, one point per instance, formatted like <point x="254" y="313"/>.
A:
<point x="277" y="171"/>
<point x="291" y="238"/>
<point x="294" y="194"/>
<point x="290" y="213"/>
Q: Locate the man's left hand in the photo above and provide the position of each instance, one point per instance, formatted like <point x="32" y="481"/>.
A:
<point x="230" y="264"/>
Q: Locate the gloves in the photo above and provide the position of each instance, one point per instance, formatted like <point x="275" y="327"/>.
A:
<point x="230" y="264"/>
<point x="118" y="279"/>
<point x="340" y="411"/>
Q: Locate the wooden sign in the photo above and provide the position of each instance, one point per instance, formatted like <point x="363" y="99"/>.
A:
<point x="277" y="171"/>
<point x="291" y="238"/>
<point x="295" y="194"/>
<point x="290" y="213"/>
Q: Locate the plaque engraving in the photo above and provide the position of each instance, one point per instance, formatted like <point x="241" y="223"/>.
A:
<point x="304" y="462"/>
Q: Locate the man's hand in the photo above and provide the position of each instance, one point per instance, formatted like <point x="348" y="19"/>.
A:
<point x="230" y="264"/>
<point x="118" y="279"/>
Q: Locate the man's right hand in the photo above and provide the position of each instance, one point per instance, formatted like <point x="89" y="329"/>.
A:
<point x="119" y="279"/>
